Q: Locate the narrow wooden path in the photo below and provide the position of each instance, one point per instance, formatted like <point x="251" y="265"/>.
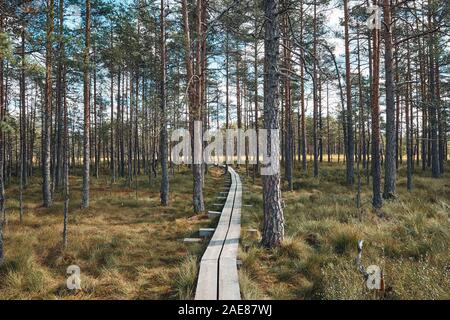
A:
<point x="218" y="276"/>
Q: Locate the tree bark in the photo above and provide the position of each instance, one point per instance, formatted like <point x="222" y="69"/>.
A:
<point x="302" y="97"/>
<point x="348" y="85"/>
<point x="315" y="96"/>
<point x="288" y="141"/>
<point x="46" y="191"/>
<point x="377" y="201"/>
<point x="164" y="194"/>
<point x="273" y="230"/>
<point x="65" y="162"/>
<point x="2" y="106"/>
<point x="255" y="66"/>
<point x="433" y="103"/>
<point x="193" y="99"/>
<point x="86" y="94"/>
<point x="408" y="127"/>
<point x="390" y="170"/>
<point x="112" y="162"/>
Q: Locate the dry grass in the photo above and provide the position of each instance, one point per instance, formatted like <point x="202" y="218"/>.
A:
<point x="127" y="245"/>
<point x="409" y="239"/>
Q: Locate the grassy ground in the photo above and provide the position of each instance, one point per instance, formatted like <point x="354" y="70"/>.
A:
<point x="127" y="246"/>
<point x="409" y="239"/>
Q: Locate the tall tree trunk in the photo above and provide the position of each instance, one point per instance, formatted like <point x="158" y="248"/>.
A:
<point x="408" y="127"/>
<point x="65" y="162"/>
<point x="390" y="170"/>
<point x="2" y="142"/>
<point x="95" y="116"/>
<point x="23" y="137"/>
<point x="238" y="91"/>
<point x="362" y="129"/>
<point x="302" y="97"/>
<point x="255" y="67"/>
<point x="46" y="191"/>
<point x="58" y="168"/>
<point x="288" y="104"/>
<point x="86" y="94"/>
<point x="441" y="119"/>
<point x="163" y="109"/>
<point x="377" y="201"/>
<point x="348" y="85"/>
<point x="328" y="127"/>
<point x="433" y="103"/>
<point x="273" y="230"/>
<point x="315" y="95"/>
<point x="194" y="107"/>
<point x="112" y="156"/>
<point x="227" y="82"/>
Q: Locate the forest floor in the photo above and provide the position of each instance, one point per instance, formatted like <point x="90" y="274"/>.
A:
<point x="129" y="247"/>
<point x="409" y="238"/>
<point x="126" y="245"/>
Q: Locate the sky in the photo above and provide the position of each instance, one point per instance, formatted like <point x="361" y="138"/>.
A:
<point x="333" y="17"/>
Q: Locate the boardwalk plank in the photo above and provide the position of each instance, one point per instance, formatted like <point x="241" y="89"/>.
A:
<point x="218" y="276"/>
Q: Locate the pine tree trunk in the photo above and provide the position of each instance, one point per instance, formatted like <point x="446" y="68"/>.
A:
<point x="315" y="96"/>
<point x="112" y="154"/>
<point x="390" y="170"/>
<point x="193" y="97"/>
<point x="163" y="109"/>
<point x="349" y="113"/>
<point x="86" y="93"/>
<point x="377" y="201"/>
<point x="273" y="230"/>
<point x="433" y="103"/>
<point x="255" y="66"/>
<point x="2" y="144"/>
<point x="408" y="127"/>
<point x="22" y="123"/>
<point x="288" y="104"/>
<point x="58" y="169"/>
<point x="302" y="98"/>
<point x="46" y="191"/>
<point x="65" y="162"/>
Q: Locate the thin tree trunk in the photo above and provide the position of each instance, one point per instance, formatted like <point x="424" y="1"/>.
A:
<point x="94" y="102"/>
<point x="193" y="97"/>
<point x="22" y="122"/>
<point x="2" y="143"/>
<point x="408" y="127"/>
<point x="377" y="201"/>
<point x="65" y="164"/>
<point x="255" y="66"/>
<point x="348" y="85"/>
<point x="390" y="170"/>
<point x="46" y="191"/>
<point x="302" y="97"/>
<point x="288" y="106"/>
<point x="315" y="88"/>
<point x="58" y="169"/>
<point x="273" y="230"/>
<point x="163" y="109"/>
<point x="112" y="162"/>
<point x="86" y="93"/>
<point x="433" y="103"/>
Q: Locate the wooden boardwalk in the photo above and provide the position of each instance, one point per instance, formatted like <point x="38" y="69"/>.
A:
<point x="218" y="276"/>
